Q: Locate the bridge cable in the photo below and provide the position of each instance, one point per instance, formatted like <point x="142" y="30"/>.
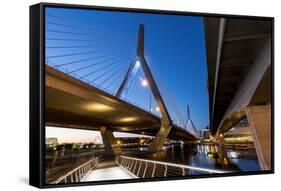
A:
<point x="80" y="60"/>
<point x="99" y="69"/>
<point x="91" y="65"/>
<point x="81" y="40"/>
<point x="88" y="26"/>
<point x="87" y="34"/>
<point x="96" y="45"/>
<point x="106" y="72"/>
<point x="75" y="54"/>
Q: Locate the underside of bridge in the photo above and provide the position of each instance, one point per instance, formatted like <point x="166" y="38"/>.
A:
<point x="74" y="104"/>
<point x="71" y="103"/>
<point x="240" y="77"/>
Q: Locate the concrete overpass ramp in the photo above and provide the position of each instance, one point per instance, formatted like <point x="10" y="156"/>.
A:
<point x="239" y="53"/>
<point x="71" y="103"/>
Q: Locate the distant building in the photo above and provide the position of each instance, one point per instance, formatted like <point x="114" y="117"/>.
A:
<point x="205" y="133"/>
<point x="240" y="132"/>
<point x="51" y="142"/>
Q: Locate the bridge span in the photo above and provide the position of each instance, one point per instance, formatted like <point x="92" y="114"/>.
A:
<point x="239" y="70"/>
<point x="240" y="78"/>
<point x="71" y="103"/>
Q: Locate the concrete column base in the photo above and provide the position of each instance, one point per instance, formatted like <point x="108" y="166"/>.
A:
<point x="160" y="139"/>
<point x="109" y="141"/>
<point x="259" y="118"/>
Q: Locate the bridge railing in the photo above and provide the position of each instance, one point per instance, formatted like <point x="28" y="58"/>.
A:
<point x="144" y="168"/>
<point x="77" y="174"/>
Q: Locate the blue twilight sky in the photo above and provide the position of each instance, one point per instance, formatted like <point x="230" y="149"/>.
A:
<point x="174" y="47"/>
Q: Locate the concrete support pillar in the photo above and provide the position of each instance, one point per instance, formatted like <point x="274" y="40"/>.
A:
<point x="259" y="118"/>
<point x="222" y="150"/>
<point x="160" y="138"/>
<point x="54" y="159"/>
<point x="109" y="141"/>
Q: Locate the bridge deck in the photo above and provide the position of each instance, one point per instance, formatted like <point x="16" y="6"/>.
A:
<point x="111" y="173"/>
<point x="108" y="170"/>
<point x="71" y="103"/>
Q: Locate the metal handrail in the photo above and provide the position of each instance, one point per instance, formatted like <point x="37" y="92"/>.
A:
<point x="78" y="173"/>
<point x="144" y="168"/>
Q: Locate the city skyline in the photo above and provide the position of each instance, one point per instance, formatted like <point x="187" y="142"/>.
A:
<point x="66" y="135"/>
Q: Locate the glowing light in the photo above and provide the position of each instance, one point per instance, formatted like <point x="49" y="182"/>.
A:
<point x="144" y="82"/>
<point x="128" y="119"/>
<point x="225" y="161"/>
<point x="137" y="65"/>
<point x="233" y="155"/>
<point x="98" y="107"/>
<point x="157" y="109"/>
<point x="118" y="142"/>
<point x="221" y="135"/>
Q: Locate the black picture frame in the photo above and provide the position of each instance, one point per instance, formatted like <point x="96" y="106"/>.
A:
<point x="37" y="93"/>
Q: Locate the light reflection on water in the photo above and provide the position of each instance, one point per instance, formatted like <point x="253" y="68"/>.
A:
<point x="208" y="156"/>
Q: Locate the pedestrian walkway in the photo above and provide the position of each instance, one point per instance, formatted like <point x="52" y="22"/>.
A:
<point x="108" y="171"/>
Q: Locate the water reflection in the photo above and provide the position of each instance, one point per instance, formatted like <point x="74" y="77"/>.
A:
<point x="209" y="156"/>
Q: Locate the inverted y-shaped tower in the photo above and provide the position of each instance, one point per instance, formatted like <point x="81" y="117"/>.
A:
<point x="189" y="120"/>
<point x="166" y="122"/>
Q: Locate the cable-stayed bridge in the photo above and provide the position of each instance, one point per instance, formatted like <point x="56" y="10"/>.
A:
<point x="100" y="79"/>
<point x="103" y="80"/>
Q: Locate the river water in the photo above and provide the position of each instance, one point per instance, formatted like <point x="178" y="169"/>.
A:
<point x="208" y="156"/>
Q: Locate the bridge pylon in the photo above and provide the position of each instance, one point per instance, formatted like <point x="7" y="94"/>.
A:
<point x="166" y="122"/>
<point x="189" y="120"/>
<point x="111" y="146"/>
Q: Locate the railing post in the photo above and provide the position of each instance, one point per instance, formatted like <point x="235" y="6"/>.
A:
<point x="71" y="178"/>
<point x="76" y="177"/>
<point x="153" y="172"/>
<point x="165" y="173"/>
<point x="129" y="164"/>
<point x="132" y="165"/>
<point x="79" y="173"/>
<point x="144" y="170"/>
<point x="126" y="164"/>
<point x="116" y="160"/>
<point x="183" y="171"/>
<point x="139" y="169"/>
<point x="135" y="167"/>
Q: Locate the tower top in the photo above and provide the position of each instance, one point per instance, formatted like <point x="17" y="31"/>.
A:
<point x="140" y="45"/>
<point x="188" y="112"/>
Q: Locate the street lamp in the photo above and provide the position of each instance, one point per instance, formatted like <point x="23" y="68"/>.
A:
<point x="144" y="82"/>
